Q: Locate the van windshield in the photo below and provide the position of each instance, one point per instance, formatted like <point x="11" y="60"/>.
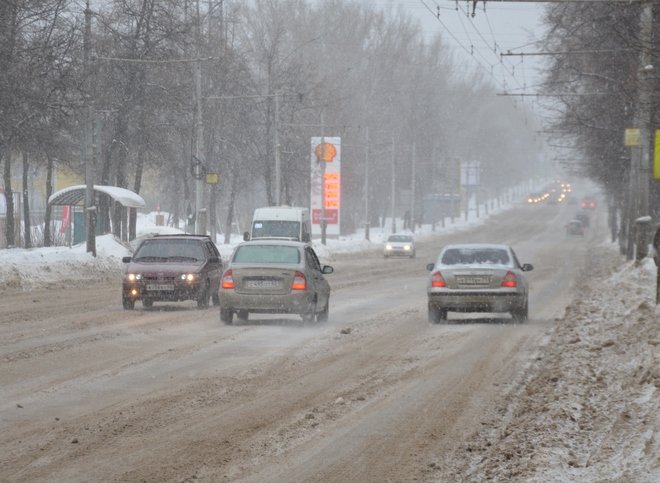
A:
<point x="276" y="228"/>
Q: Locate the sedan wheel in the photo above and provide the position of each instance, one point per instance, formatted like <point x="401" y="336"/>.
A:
<point x="520" y="315"/>
<point x="309" y="316"/>
<point x="437" y="314"/>
<point x="324" y="314"/>
<point x="128" y="303"/>
<point x="226" y="316"/>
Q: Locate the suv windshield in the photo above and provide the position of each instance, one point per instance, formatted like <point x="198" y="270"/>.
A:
<point x="160" y="249"/>
<point x="276" y="228"/>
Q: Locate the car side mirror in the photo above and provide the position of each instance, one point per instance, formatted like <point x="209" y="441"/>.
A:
<point x="246" y="236"/>
<point x="306" y="238"/>
<point x="327" y="269"/>
<point x="527" y="267"/>
<point x="214" y="259"/>
<point x="430" y="266"/>
<point x="126" y="260"/>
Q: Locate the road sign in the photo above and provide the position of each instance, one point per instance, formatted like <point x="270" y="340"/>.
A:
<point x="632" y="137"/>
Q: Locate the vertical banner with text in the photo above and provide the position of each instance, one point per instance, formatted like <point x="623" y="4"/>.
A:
<point x="326" y="184"/>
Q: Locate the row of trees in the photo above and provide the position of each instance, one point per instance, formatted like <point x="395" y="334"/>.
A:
<point x="295" y="67"/>
<point x="595" y="74"/>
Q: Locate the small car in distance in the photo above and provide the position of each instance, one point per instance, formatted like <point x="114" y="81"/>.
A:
<point x="399" y="245"/>
<point x="172" y="268"/>
<point x="477" y="278"/>
<point x="588" y="203"/>
<point x="584" y="218"/>
<point x="275" y="277"/>
<point x="575" y="228"/>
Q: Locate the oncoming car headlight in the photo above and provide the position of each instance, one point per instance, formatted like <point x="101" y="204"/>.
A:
<point x="133" y="277"/>
<point x="406" y="247"/>
<point x="188" y="277"/>
<point x="388" y="247"/>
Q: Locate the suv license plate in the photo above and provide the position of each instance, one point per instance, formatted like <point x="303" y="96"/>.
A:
<point x="162" y="287"/>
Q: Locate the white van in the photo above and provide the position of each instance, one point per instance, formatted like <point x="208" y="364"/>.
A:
<point x="284" y="222"/>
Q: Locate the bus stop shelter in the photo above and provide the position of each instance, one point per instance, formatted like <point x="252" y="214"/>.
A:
<point x="74" y="196"/>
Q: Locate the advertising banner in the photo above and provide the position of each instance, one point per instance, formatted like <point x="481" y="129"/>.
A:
<point x="325" y="184"/>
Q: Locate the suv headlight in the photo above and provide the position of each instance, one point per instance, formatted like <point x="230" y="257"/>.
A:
<point x="188" y="277"/>
<point x="134" y="277"/>
<point x="406" y="247"/>
<point x="388" y="247"/>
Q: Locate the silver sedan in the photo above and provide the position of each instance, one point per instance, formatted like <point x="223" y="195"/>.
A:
<point x="275" y="276"/>
<point x="477" y="278"/>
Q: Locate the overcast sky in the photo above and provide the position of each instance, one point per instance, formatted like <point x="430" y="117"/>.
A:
<point x="479" y="41"/>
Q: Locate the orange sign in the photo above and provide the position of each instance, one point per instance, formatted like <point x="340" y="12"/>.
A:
<point x="326" y="152"/>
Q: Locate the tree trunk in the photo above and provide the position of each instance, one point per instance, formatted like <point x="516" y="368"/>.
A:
<point x="26" y="202"/>
<point x="49" y="191"/>
<point x="9" y="198"/>
<point x="230" y="208"/>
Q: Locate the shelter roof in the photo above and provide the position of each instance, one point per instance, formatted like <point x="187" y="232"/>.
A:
<point x="74" y="195"/>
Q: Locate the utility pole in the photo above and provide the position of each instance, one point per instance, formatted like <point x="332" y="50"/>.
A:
<point x="645" y="81"/>
<point x="412" y="191"/>
<point x="278" y="167"/>
<point x="324" y="223"/>
<point x="366" y="185"/>
<point x="90" y="208"/>
<point x="198" y="170"/>
<point x="392" y="195"/>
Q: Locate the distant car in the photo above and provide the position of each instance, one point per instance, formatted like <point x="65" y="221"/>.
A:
<point x="275" y="276"/>
<point x="477" y="278"/>
<point x="399" y="245"/>
<point x="172" y="268"/>
<point x="575" y="228"/>
<point x="584" y="218"/>
<point x="588" y="203"/>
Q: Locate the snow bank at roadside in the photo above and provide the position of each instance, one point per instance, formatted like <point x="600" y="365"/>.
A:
<point x="26" y="269"/>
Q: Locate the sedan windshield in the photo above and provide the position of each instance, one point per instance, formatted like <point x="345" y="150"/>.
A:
<point x="170" y="249"/>
<point x="267" y="254"/>
<point x="400" y="238"/>
<point x="472" y="256"/>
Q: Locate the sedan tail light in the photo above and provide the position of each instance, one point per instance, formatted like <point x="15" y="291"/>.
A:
<point x="227" y="280"/>
<point x="299" y="282"/>
<point x="437" y="280"/>
<point x="510" y="280"/>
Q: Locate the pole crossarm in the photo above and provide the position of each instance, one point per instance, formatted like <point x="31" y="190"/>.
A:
<point x="565" y="94"/>
<point x="567" y="52"/>
<point x="157" y="61"/>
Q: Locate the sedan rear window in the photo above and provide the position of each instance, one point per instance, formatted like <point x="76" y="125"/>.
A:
<point x="473" y="256"/>
<point x="267" y="254"/>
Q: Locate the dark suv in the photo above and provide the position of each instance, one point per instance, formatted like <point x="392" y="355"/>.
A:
<point x="171" y="268"/>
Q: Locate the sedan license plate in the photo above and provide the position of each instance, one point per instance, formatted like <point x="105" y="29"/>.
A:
<point x="473" y="279"/>
<point x="160" y="287"/>
<point x="262" y="284"/>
